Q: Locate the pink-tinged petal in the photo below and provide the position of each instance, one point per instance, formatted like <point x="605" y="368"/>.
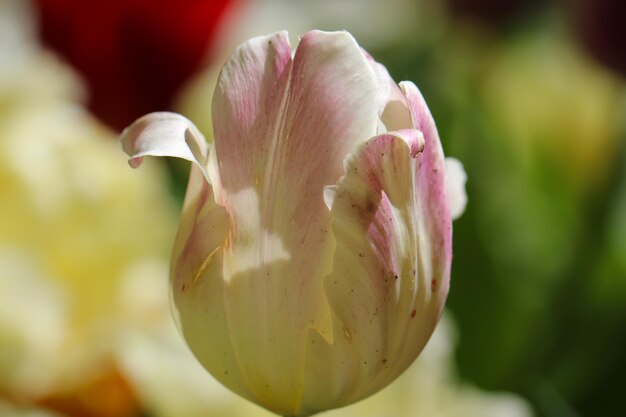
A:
<point x="282" y="130"/>
<point x="431" y="180"/>
<point x="164" y="134"/>
<point x="387" y="266"/>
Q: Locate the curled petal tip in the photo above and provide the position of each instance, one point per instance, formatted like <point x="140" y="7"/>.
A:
<point x="416" y="144"/>
<point x="164" y="134"/>
<point x="413" y="138"/>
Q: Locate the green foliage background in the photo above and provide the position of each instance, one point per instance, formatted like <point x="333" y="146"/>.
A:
<point x="539" y="271"/>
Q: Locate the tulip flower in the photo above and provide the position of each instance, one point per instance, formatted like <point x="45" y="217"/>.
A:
<point x="312" y="260"/>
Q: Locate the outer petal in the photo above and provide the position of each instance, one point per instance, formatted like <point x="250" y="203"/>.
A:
<point x="282" y="130"/>
<point x="198" y="283"/>
<point x="389" y="279"/>
<point x="431" y="179"/>
<point x="196" y="275"/>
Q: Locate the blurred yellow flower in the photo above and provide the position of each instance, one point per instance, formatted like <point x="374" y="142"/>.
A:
<point x="11" y="410"/>
<point x="69" y="221"/>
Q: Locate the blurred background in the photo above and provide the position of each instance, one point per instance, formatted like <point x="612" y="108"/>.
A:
<point x="528" y="94"/>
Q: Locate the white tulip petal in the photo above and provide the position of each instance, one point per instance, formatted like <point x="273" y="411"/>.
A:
<point x="165" y="134"/>
<point x="283" y="126"/>
<point x="197" y="282"/>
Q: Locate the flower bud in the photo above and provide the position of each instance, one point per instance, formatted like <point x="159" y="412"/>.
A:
<point x="312" y="261"/>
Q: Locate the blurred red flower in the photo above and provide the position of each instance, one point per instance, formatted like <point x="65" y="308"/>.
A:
<point x="134" y="54"/>
<point x="601" y="27"/>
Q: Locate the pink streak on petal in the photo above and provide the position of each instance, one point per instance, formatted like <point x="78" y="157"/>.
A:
<point x="282" y="130"/>
<point x="384" y="263"/>
<point x="247" y="104"/>
<point x="431" y="181"/>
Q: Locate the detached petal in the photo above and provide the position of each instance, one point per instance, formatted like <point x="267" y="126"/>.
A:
<point x="164" y="134"/>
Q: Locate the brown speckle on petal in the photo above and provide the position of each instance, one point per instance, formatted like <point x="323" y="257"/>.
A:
<point x="347" y="333"/>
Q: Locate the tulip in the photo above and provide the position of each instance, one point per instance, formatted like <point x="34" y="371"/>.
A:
<point x="312" y="260"/>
